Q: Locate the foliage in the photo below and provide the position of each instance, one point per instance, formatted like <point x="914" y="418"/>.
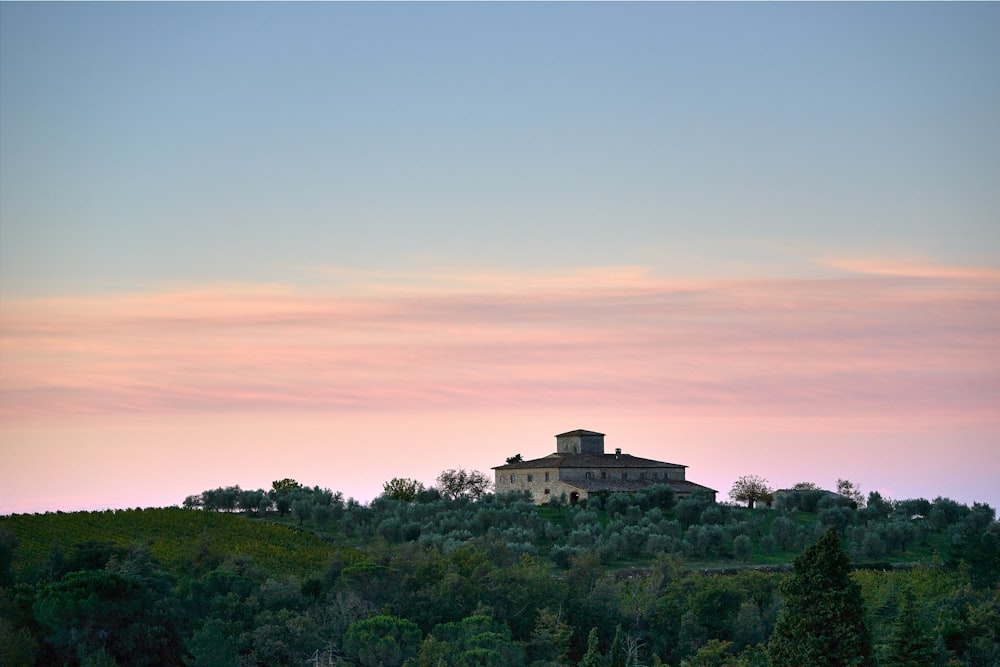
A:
<point x="382" y="641"/>
<point x="910" y="642"/>
<point x="822" y="617"/>
<point x="490" y="580"/>
<point x="180" y="540"/>
<point x="402" y="488"/>
<point x="463" y="483"/>
<point x="851" y="491"/>
<point x="751" y="489"/>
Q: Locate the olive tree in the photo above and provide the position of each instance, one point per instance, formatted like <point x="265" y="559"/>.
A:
<point x="750" y="489"/>
<point x="461" y="482"/>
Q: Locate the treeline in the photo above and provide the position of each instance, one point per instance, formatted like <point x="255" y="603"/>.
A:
<point x="619" y="527"/>
<point x="463" y="578"/>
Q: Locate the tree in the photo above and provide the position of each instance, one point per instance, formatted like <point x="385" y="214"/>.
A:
<point x="382" y="640"/>
<point x="804" y="486"/>
<point x="910" y="642"/>
<point x="750" y="489"/>
<point x="251" y="502"/>
<point x="476" y="640"/>
<point x="593" y="657"/>
<point x="8" y="547"/>
<point x="517" y="458"/>
<point x="715" y="653"/>
<point x="616" y="656"/>
<point x="849" y="489"/>
<point x="90" y="612"/>
<point x="402" y="488"/>
<point x="550" y="638"/>
<point x="821" y="622"/>
<point x="742" y="547"/>
<point x="461" y="482"/>
<point x="284" y="486"/>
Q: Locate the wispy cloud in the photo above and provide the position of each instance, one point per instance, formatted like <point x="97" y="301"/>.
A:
<point x="913" y="267"/>
<point x="888" y="346"/>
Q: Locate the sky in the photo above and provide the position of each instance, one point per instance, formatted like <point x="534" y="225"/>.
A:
<point x="346" y="242"/>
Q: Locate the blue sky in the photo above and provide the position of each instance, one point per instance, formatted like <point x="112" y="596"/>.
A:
<point x="166" y="142"/>
<point x="740" y="235"/>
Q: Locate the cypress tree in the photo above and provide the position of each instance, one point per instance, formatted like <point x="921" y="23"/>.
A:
<point x="821" y="622"/>
<point x="593" y="657"/>
<point x="910" y="643"/>
<point x="617" y="657"/>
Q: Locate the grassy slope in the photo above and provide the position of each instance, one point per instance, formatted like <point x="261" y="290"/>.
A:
<point x="173" y="536"/>
<point x="177" y="537"/>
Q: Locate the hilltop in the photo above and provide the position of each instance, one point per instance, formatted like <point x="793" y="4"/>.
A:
<point x="297" y="573"/>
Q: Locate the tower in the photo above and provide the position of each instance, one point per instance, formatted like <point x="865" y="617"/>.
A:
<point x="580" y="442"/>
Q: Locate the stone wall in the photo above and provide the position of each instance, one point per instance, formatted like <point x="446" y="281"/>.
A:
<point x="535" y="480"/>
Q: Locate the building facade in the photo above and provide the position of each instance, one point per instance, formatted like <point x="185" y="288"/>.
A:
<point x="580" y="467"/>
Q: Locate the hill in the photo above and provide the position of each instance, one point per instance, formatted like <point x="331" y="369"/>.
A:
<point x="177" y="539"/>
<point x="308" y="578"/>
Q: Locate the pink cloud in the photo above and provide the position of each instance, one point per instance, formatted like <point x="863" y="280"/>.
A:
<point x="859" y="348"/>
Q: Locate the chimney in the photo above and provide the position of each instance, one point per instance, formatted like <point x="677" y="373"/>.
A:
<point x="618" y="452"/>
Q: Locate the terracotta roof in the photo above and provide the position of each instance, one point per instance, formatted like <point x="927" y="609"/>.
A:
<point x="589" y="461"/>
<point x="591" y="485"/>
<point x="578" y="431"/>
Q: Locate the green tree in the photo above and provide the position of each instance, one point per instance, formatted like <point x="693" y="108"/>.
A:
<point x="382" y="641"/>
<point x="617" y="653"/>
<point x="475" y="641"/>
<point x="849" y="489"/>
<point x="593" y="657"/>
<point x="910" y="642"/>
<point x="17" y="645"/>
<point x="8" y="548"/>
<point x="715" y="653"/>
<point x="978" y="552"/>
<point x="284" y="486"/>
<point x="550" y="638"/>
<point x="402" y="488"/>
<point x="517" y="458"/>
<point x="461" y="482"/>
<point x="821" y="622"/>
<point x="217" y="643"/>
<point x="750" y="489"/>
<point x="741" y="547"/>
<point x="92" y="611"/>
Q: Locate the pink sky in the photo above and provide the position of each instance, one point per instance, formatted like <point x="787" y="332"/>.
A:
<point x="887" y="375"/>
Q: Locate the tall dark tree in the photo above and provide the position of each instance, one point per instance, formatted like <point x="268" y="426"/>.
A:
<point x="910" y="642"/>
<point x="593" y="656"/>
<point x="617" y="655"/>
<point x="821" y="622"/>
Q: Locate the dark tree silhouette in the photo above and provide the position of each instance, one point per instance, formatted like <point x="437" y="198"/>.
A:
<point x="821" y="622"/>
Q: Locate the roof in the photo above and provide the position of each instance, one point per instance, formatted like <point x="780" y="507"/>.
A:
<point x="588" y="461"/>
<point x="578" y="432"/>
<point x="593" y="485"/>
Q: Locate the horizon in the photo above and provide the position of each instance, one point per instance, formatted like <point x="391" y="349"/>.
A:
<point x="346" y="242"/>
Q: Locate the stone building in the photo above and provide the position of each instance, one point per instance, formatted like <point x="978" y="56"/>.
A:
<point x="580" y="467"/>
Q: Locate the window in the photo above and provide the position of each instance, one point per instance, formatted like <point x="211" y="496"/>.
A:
<point x="642" y="475"/>
<point x="512" y="478"/>
<point x="588" y="475"/>
<point x="546" y="492"/>
<point x="604" y="474"/>
<point x="624" y="474"/>
<point x="546" y="477"/>
<point x="529" y="477"/>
